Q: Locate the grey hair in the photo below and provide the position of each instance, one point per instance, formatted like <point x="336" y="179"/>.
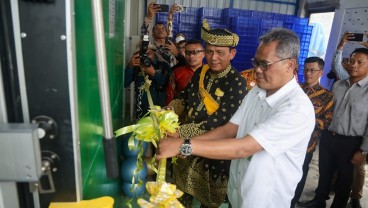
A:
<point x="288" y="45"/>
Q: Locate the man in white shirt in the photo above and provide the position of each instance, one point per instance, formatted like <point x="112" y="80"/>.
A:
<point x="267" y="136"/>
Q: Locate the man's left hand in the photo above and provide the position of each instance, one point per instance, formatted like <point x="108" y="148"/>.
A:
<point x="358" y="158"/>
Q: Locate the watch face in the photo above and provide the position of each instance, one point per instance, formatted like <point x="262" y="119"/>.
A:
<point x="186" y="149"/>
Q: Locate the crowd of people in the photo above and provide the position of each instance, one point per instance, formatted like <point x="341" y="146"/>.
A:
<point x="250" y="139"/>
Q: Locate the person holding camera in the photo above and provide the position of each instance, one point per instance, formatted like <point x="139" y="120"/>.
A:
<point x="340" y="68"/>
<point x="345" y="145"/>
<point x="145" y="63"/>
<point x="166" y="49"/>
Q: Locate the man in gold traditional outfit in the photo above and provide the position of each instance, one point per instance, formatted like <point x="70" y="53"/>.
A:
<point x="208" y="101"/>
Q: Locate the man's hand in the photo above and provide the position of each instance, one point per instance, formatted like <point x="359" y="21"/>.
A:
<point x="365" y="44"/>
<point x="149" y="70"/>
<point x="153" y="8"/>
<point x="347" y="36"/>
<point x="358" y="158"/>
<point x="173" y="9"/>
<point x="134" y="61"/>
<point x="172" y="48"/>
<point x="169" y="146"/>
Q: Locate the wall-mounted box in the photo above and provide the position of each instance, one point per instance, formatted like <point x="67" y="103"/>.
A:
<point x="20" y="155"/>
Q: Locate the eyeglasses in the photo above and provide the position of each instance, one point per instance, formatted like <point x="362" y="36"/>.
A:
<point x="194" y="52"/>
<point x="264" y="65"/>
<point x="311" y="70"/>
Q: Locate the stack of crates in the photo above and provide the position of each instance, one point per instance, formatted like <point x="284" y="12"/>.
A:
<point x="188" y="23"/>
<point x="247" y="28"/>
<point x="248" y="24"/>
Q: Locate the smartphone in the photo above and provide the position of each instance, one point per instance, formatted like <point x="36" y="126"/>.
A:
<point x="357" y="37"/>
<point x="167" y="41"/>
<point x="164" y="7"/>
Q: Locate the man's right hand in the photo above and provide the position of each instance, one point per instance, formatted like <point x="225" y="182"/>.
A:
<point x="347" y="36"/>
<point x="153" y="8"/>
<point x="134" y="61"/>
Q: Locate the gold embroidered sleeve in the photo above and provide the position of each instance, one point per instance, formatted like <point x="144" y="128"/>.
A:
<point x="190" y="130"/>
<point x="178" y="106"/>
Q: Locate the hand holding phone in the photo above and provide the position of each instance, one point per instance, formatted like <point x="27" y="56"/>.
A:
<point x="356" y="37"/>
<point x="163" y="7"/>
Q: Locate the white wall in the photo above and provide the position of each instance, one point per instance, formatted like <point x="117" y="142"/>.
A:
<point x="352" y="16"/>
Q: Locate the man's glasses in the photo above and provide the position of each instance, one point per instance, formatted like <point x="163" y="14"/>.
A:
<point x="264" y="65"/>
<point x="194" y="52"/>
<point x="311" y="70"/>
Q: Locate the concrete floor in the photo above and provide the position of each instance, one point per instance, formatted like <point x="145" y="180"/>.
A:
<point x="312" y="181"/>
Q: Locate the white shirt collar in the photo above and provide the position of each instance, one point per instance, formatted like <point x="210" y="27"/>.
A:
<point x="273" y="99"/>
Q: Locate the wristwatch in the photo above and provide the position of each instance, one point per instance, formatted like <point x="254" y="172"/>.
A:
<point x="186" y="148"/>
<point x="363" y="152"/>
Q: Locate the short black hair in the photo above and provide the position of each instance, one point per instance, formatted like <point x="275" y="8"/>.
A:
<point x="194" y="41"/>
<point x="314" y="59"/>
<point x="360" y="50"/>
<point x="158" y="23"/>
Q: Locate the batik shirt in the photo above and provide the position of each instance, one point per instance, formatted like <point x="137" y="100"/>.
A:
<point x="323" y="104"/>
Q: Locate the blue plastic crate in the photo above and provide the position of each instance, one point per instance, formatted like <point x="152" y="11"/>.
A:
<point x="162" y="17"/>
<point x="188" y="27"/>
<point x="245" y="26"/>
<point x="267" y="25"/>
<point x="210" y="21"/>
<point x="289" y="19"/>
<point x="301" y="21"/>
<point x="190" y="11"/>
<point x="210" y="12"/>
<point x="248" y="52"/>
<point x="186" y="18"/>
<point x="248" y="41"/>
<point x="302" y="29"/>
<point x="280" y="17"/>
<point x="231" y="12"/>
<point x="245" y="21"/>
<point x="263" y="15"/>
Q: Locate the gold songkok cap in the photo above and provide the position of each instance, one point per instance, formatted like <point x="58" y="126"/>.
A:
<point x="218" y="36"/>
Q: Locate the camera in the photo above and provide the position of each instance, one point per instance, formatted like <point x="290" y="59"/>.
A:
<point x="181" y="8"/>
<point x="144" y="59"/>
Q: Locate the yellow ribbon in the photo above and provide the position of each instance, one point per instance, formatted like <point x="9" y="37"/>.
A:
<point x="209" y="102"/>
<point x="144" y="129"/>
<point x="163" y="195"/>
<point x="151" y="128"/>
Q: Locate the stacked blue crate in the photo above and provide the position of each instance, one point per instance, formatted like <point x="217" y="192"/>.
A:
<point x="263" y="15"/>
<point x="247" y="29"/>
<point x="248" y="24"/>
<point x="189" y="23"/>
<point x="304" y="32"/>
<point x="213" y="15"/>
<point x="229" y="13"/>
<point x="268" y="24"/>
